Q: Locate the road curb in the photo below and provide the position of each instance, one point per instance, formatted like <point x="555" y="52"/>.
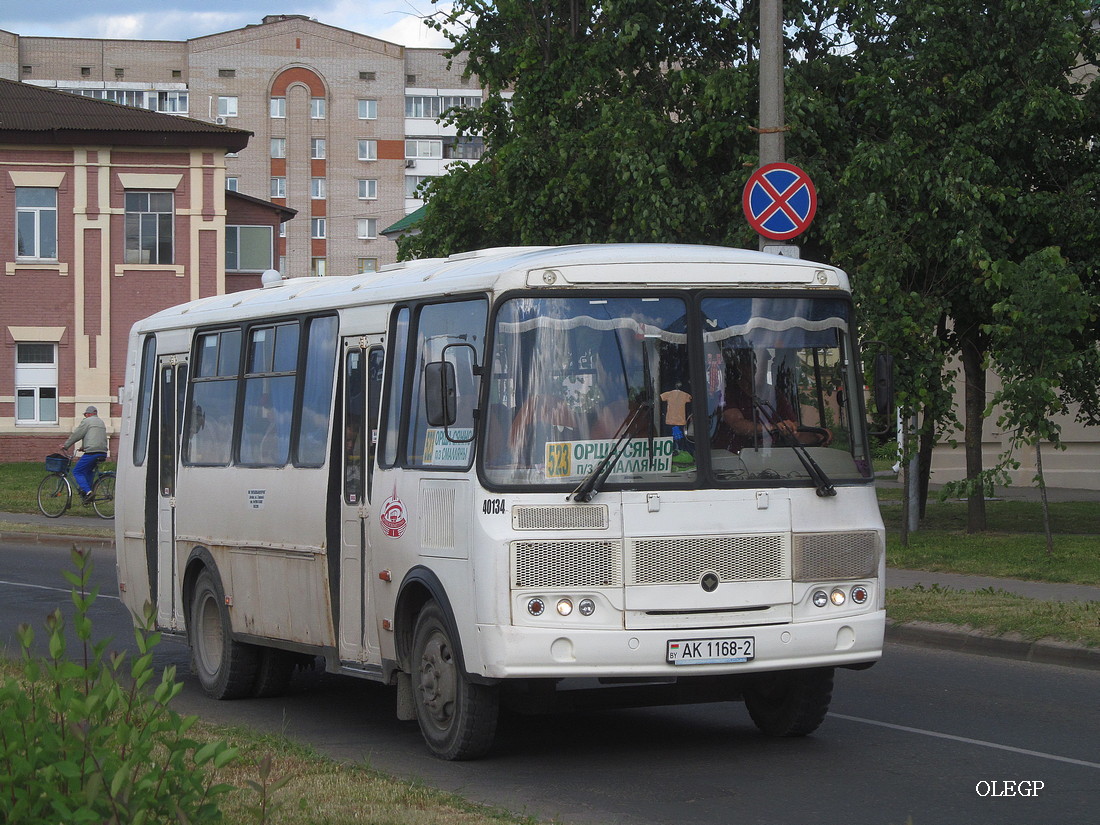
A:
<point x="55" y="538"/>
<point x="1010" y="646"/>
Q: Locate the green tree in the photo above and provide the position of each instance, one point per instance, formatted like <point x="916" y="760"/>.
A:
<point x="628" y="120"/>
<point x="1040" y="299"/>
<point x="975" y="144"/>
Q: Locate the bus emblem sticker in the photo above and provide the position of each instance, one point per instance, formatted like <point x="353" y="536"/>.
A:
<point x="393" y="517"/>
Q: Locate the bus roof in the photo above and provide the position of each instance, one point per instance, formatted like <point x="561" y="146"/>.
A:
<point x="617" y="265"/>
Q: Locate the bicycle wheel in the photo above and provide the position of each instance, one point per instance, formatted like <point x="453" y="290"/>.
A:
<point x="103" y="496"/>
<point x="54" y="495"/>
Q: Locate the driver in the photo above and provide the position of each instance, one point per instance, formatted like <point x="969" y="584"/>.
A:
<point x="749" y="417"/>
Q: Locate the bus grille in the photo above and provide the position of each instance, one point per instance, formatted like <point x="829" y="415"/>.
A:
<point x="582" y="563"/>
<point x="573" y="517"/>
<point x="825" y="556"/>
<point x="685" y="559"/>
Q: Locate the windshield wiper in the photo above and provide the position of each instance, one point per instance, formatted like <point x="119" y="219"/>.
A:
<point x="592" y="482"/>
<point x="813" y="469"/>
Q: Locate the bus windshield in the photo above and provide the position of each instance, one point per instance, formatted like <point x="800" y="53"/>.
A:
<point x="707" y="389"/>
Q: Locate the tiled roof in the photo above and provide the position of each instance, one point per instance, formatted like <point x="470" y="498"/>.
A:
<point x="32" y="114"/>
<point x="407" y="222"/>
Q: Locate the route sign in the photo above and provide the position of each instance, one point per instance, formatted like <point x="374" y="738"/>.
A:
<point x="779" y="201"/>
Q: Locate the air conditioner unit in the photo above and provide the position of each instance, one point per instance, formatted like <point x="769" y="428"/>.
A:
<point x="410" y="164"/>
<point x="220" y="121"/>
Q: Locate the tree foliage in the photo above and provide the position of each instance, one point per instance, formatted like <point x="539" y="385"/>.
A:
<point x="975" y="144"/>
<point x="629" y="120"/>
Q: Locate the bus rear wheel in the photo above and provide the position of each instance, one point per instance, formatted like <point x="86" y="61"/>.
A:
<point x="790" y="702"/>
<point x="226" y="668"/>
<point x="457" y="717"/>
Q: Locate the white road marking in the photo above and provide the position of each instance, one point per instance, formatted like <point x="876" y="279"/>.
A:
<point x="55" y="589"/>
<point x="968" y="741"/>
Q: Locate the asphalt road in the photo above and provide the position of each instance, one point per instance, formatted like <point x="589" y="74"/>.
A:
<point x="927" y="735"/>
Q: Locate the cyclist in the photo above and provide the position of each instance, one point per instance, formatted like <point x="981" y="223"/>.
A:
<point x="92" y="432"/>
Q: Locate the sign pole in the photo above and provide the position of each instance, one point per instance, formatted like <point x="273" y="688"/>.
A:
<point x="772" y="123"/>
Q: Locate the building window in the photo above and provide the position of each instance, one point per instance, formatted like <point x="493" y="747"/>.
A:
<point x="278" y="107"/>
<point x="410" y="80"/>
<point x="412" y="185"/>
<point x="35" y="384"/>
<point x="248" y="248"/>
<point x="227" y="106"/>
<point x="368" y="109"/>
<point x="368" y="150"/>
<point x="423" y="149"/>
<point x="317" y="148"/>
<point x="227" y="72"/>
<point x="367" y="228"/>
<point x="278" y="187"/>
<point x="464" y="148"/>
<point x="366" y="265"/>
<point x="318" y="189"/>
<point x="231" y="184"/>
<point x="317" y="228"/>
<point x="36" y="222"/>
<point x="317" y="108"/>
<point x="149" y="227"/>
<point x="120" y="73"/>
<point x="368" y="190"/>
<point x="278" y="147"/>
<point x="317" y="267"/>
<point x="423" y="106"/>
<point x="367" y="75"/>
<point x="85" y="71"/>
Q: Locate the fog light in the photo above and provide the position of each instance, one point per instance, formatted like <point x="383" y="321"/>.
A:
<point x="536" y="607"/>
<point x="565" y="607"/>
<point x="587" y="607"/>
<point x="821" y="598"/>
<point x="860" y="594"/>
<point x="837" y="597"/>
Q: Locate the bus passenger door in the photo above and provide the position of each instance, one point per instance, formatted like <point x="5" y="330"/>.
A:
<point x="171" y="382"/>
<point x="362" y="387"/>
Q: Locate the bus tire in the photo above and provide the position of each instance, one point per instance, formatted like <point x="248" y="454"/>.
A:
<point x="457" y="717"/>
<point x="226" y="668"/>
<point x="789" y="702"/>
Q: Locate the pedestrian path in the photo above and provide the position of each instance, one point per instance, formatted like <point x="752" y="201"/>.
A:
<point x="1046" y="591"/>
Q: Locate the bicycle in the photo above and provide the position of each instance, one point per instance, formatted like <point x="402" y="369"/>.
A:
<point x="55" y="491"/>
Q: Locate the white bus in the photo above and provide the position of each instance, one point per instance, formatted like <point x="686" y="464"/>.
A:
<point x="624" y="473"/>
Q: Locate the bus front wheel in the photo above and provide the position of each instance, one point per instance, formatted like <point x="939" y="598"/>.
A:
<point x="226" y="668"/>
<point x="457" y="717"/>
<point x="789" y="702"/>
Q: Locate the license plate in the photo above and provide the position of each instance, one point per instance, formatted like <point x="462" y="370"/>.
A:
<point x="724" y="651"/>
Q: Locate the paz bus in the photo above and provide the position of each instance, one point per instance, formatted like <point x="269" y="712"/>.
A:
<point x="521" y="477"/>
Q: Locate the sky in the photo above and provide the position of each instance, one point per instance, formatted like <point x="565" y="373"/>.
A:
<point x="398" y="21"/>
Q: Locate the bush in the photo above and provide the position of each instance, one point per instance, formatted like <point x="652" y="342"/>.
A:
<point x="92" y="740"/>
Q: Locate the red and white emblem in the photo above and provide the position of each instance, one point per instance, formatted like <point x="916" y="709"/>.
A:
<point x="394" y="519"/>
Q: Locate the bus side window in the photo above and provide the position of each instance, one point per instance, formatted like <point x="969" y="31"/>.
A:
<point x="457" y="322"/>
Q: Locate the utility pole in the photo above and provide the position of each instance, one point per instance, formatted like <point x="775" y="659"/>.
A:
<point x="772" y="123"/>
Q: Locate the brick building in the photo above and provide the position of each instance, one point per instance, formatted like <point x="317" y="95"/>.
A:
<point x="346" y="125"/>
<point x="112" y="213"/>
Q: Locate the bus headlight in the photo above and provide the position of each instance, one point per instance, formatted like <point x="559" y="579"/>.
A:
<point x="565" y="607"/>
<point x="536" y="607"/>
<point x="838" y="597"/>
<point x="821" y="598"/>
<point x="860" y="594"/>
<point x="587" y="607"/>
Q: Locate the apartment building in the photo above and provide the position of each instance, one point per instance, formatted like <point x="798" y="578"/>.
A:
<point x="345" y="125"/>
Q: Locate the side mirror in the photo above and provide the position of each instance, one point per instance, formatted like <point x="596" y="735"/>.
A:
<point x="440" y="393"/>
<point x="884" y="383"/>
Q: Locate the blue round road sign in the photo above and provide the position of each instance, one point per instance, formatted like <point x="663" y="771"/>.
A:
<point x="779" y="201"/>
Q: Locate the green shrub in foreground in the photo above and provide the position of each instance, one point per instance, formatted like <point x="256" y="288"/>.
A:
<point x="93" y="741"/>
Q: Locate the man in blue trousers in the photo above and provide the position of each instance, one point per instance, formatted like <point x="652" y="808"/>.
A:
<point x="93" y="433"/>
